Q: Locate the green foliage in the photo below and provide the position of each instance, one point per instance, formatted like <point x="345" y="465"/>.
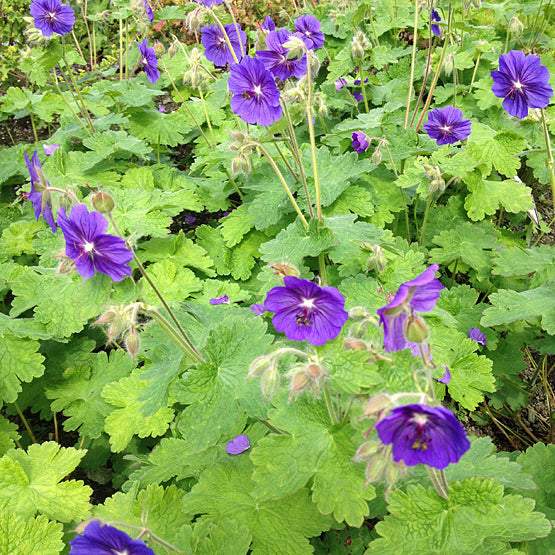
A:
<point x="31" y="482"/>
<point x="20" y="535"/>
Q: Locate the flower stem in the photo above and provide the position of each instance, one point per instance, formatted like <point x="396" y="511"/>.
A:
<point x="437" y="483"/>
<point x="360" y="72"/>
<point x="237" y="28"/>
<point x="78" y="91"/>
<point x="329" y="405"/>
<point x="323" y="273"/>
<point x="143" y="530"/>
<point x="550" y="164"/>
<point x="284" y="183"/>
<point x="425" y="220"/>
<point x="25" y="423"/>
<point x="121" y="49"/>
<point x="208" y="122"/>
<point x="269" y="426"/>
<point x="413" y="62"/>
<point x="281" y="155"/>
<point x="475" y="70"/>
<point x="311" y="132"/>
<point x="194" y="353"/>
<point x="226" y="37"/>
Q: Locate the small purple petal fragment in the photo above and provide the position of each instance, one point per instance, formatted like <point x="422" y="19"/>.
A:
<point x="161" y="109"/>
<point x="189" y="219"/>
<point x="237" y="445"/>
<point x="358" y="96"/>
<point x="222" y="299"/>
<point x="436" y="30"/>
<point x="446" y="378"/>
<point x="258" y="309"/>
<point x="360" y="142"/>
<point x="50" y="149"/>
<point x="477" y="335"/>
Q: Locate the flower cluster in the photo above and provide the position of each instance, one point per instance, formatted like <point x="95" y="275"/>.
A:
<point x="402" y="327"/>
<point x="303" y="310"/>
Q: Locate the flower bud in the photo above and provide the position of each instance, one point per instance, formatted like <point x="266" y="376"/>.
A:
<point x="355" y="344"/>
<point x="132" y="343"/>
<point x="299" y="382"/>
<point x="173" y="48"/>
<point x="314" y="66"/>
<point x="416" y="330"/>
<point x="377" y="261"/>
<point x="377" y="404"/>
<point x="269" y="383"/>
<point x="516" y="26"/>
<point x="376" y="468"/>
<point x="365" y="451"/>
<point x="296" y="47"/>
<point x="159" y="48"/>
<point x="357" y="50"/>
<point x="449" y="64"/>
<point x="377" y="156"/>
<point x="258" y="366"/>
<point x="106" y="318"/>
<point x="285" y="269"/>
<point x="103" y="202"/>
<point x="193" y="21"/>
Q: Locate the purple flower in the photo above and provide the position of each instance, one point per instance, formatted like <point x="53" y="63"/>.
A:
<point x="358" y="96"/>
<point x="189" y="220"/>
<point x="222" y="299"/>
<point x="50" y="149"/>
<point x="340" y="83"/>
<point x="258" y="309"/>
<point x="91" y="247"/>
<point x="149" y="61"/>
<point x="216" y="48"/>
<point x="275" y="58"/>
<point x="360" y="142"/>
<point x="210" y="3"/>
<point x="51" y="17"/>
<point x="237" y="445"/>
<point x="255" y="94"/>
<point x="268" y="24"/>
<point x="161" y="109"/>
<point x="149" y="11"/>
<point x="308" y="28"/>
<point x="447" y="126"/>
<point x="303" y="310"/>
<point x="424" y="435"/>
<point x="522" y="82"/>
<point x="420" y="294"/>
<point x="39" y="195"/>
<point x="477" y="335"/>
<point x="446" y="378"/>
<point x="435" y="17"/>
<point x="100" y="539"/>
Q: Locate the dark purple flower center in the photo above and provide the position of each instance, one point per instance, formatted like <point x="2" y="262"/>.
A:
<point x="420" y="440"/>
<point x="304" y="315"/>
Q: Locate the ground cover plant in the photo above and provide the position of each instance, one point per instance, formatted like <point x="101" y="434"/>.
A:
<point x="278" y="285"/>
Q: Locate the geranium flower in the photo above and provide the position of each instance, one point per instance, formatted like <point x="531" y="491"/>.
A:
<point x="419" y="294"/>
<point x="100" y="539"/>
<point x="237" y="445"/>
<point x="216" y="48"/>
<point x="91" y="247"/>
<point x="222" y="299"/>
<point x="275" y="58"/>
<point x="522" y="82"/>
<point x="255" y="94"/>
<point x="268" y="24"/>
<point x="447" y="126"/>
<point x="308" y="28"/>
<point x="51" y="17"/>
<point x="360" y="141"/>
<point x="210" y="3"/>
<point x="149" y="11"/>
<point x="436" y="30"/>
<point x="477" y="335"/>
<point x="149" y="61"/>
<point x="50" y="149"/>
<point x="424" y="435"/>
<point x="39" y="195"/>
<point x="303" y="310"/>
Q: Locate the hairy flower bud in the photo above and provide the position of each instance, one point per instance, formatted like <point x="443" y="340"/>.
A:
<point x="240" y="164"/>
<point x="106" y="318"/>
<point x="377" y="260"/>
<point x="377" y="156"/>
<point x="269" y="383"/>
<point x="355" y="344"/>
<point x="258" y="366"/>
<point x="516" y="26"/>
<point x="299" y="382"/>
<point x="159" y="48"/>
<point x="193" y="21"/>
<point x="416" y="330"/>
<point x="103" y="202"/>
<point x="449" y="64"/>
<point x="132" y="343"/>
<point x="365" y="451"/>
<point x="357" y="50"/>
<point x="358" y="313"/>
<point x="285" y="269"/>
<point x="377" y="404"/>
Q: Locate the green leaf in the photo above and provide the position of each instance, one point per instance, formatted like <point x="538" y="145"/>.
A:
<point x="65" y="304"/>
<point x="31" y="482"/>
<point x="472" y="244"/>
<point x="235" y="226"/>
<point x="217" y="392"/>
<point x="498" y="150"/>
<point x="79" y="394"/>
<point x="127" y="420"/>
<point x="335" y="172"/>
<point x="19" y="362"/>
<point x="8" y="435"/>
<point x="517" y="261"/>
<point x="477" y="518"/>
<point x="487" y="196"/>
<point x="294" y="243"/>
<point x="18" y="238"/>
<point x="19" y="536"/>
<point x="226" y="536"/>
<point x="510" y="306"/>
<point x="355" y="199"/>
<point x="243" y="255"/>
<point x="213" y="243"/>
<point x="350" y="372"/>
<point x="293" y="519"/>
<point x="315" y="448"/>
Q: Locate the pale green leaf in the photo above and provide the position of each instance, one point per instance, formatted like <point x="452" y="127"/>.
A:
<point x="21" y="536"/>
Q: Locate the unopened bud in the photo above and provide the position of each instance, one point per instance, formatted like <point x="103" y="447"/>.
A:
<point x="357" y="50"/>
<point x="193" y="21"/>
<point x="365" y="451"/>
<point x="240" y="164"/>
<point x="258" y="366"/>
<point x="285" y="269"/>
<point x="296" y="47"/>
<point x="358" y="312"/>
<point x="516" y="26"/>
<point x="159" y="48"/>
<point x="299" y="382"/>
<point x="173" y="48"/>
<point x="132" y="343"/>
<point x="449" y="64"/>
<point x="314" y="66"/>
<point x="394" y="472"/>
<point x="105" y="318"/>
<point x="377" y="404"/>
<point x="376" y="467"/>
<point x="377" y="261"/>
<point x="377" y="156"/>
<point x="416" y="330"/>
<point x="269" y="383"/>
<point x="103" y="202"/>
<point x="355" y="344"/>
